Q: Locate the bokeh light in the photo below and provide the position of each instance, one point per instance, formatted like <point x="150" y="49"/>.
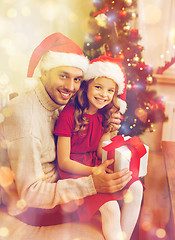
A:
<point x="11" y="13"/>
<point x="69" y="207"/>
<point x="146" y="226"/>
<point x="21" y="204"/>
<point x="6" y="176"/>
<point x="4" y="232"/>
<point x="161" y="233"/>
<point x="128" y="197"/>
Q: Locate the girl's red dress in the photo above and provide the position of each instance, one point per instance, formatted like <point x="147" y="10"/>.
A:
<point x="83" y="150"/>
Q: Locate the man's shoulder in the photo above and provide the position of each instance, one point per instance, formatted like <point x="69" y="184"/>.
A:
<point x="21" y="106"/>
<point x="20" y="113"/>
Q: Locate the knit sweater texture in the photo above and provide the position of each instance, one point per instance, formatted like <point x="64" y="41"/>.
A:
<point x="28" y="149"/>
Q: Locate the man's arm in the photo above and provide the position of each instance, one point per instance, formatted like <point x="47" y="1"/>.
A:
<point x="116" y="119"/>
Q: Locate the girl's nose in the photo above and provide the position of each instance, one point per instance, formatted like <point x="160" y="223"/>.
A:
<point x="103" y="93"/>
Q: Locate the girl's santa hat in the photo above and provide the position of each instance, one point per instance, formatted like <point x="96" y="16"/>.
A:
<point x="54" y="51"/>
<point x="105" y="66"/>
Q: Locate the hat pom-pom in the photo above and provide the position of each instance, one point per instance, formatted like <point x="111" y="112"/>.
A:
<point x="30" y="83"/>
<point x="122" y="105"/>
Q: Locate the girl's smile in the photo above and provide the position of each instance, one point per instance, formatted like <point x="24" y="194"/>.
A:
<point x="100" y="93"/>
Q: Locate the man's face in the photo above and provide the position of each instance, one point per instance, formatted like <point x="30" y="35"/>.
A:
<point x="61" y="83"/>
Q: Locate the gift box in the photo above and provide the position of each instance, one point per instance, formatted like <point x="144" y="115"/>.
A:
<point x="127" y="152"/>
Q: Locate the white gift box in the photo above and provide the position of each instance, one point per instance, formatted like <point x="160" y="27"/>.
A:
<point x="123" y="156"/>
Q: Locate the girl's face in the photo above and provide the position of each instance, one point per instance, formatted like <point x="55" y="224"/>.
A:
<point x="100" y="93"/>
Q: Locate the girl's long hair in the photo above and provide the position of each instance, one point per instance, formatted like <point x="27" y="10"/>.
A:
<point x="81" y="104"/>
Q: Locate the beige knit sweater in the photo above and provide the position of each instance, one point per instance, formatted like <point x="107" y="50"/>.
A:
<point x="30" y="153"/>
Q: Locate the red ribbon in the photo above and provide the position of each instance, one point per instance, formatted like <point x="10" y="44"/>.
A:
<point x="104" y="10"/>
<point x="136" y="147"/>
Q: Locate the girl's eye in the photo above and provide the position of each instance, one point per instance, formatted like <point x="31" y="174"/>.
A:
<point x="77" y="79"/>
<point x="111" y="90"/>
<point x="98" y="87"/>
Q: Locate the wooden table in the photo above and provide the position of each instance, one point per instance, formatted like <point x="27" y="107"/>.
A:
<point x="168" y="149"/>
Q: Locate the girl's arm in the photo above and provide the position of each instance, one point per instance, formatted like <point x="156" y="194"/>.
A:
<point x="105" y="137"/>
<point x="64" y="161"/>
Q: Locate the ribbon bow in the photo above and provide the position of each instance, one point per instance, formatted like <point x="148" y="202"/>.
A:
<point x="136" y="147"/>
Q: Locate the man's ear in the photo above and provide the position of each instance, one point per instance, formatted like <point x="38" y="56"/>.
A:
<point x="44" y="75"/>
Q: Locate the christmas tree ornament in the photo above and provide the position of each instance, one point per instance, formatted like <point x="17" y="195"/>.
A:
<point x="140" y="47"/>
<point x="121" y="56"/>
<point x="127" y="27"/>
<point x="128" y="2"/>
<point x="101" y="20"/>
<point x="122" y="13"/>
<point x="136" y="58"/>
<point x="141" y="114"/>
<point x="134" y="33"/>
<point x="149" y="79"/>
<point x="134" y="15"/>
<point x="129" y="86"/>
<point x="97" y="38"/>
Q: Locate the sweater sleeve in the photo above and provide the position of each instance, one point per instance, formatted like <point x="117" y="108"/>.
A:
<point x="25" y="153"/>
<point x="32" y="186"/>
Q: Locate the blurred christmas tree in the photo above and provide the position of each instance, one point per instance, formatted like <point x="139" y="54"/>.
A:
<point x="114" y="33"/>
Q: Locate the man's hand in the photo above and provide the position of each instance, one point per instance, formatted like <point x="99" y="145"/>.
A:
<point x="110" y="183"/>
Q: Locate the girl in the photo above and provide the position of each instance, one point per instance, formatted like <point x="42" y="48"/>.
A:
<point x="81" y="128"/>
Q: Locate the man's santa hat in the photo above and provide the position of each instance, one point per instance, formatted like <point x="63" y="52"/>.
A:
<point x="105" y="66"/>
<point x="54" y="51"/>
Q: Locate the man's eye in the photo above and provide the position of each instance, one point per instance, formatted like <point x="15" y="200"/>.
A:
<point x="62" y="76"/>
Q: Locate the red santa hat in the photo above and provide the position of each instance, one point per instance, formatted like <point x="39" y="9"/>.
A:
<point x="105" y="66"/>
<point x="54" y="51"/>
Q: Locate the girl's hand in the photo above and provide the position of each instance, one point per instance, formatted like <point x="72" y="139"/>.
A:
<point x="102" y="168"/>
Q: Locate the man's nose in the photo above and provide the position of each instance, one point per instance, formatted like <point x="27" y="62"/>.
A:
<point x="69" y="85"/>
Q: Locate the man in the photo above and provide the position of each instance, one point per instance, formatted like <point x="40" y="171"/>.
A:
<point x="59" y="65"/>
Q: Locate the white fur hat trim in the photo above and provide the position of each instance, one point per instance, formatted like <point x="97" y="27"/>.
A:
<point x="55" y="59"/>
<point x="106" y="69"/>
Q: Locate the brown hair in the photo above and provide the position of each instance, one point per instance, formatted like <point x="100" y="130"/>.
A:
<point x="81" y="104"/>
